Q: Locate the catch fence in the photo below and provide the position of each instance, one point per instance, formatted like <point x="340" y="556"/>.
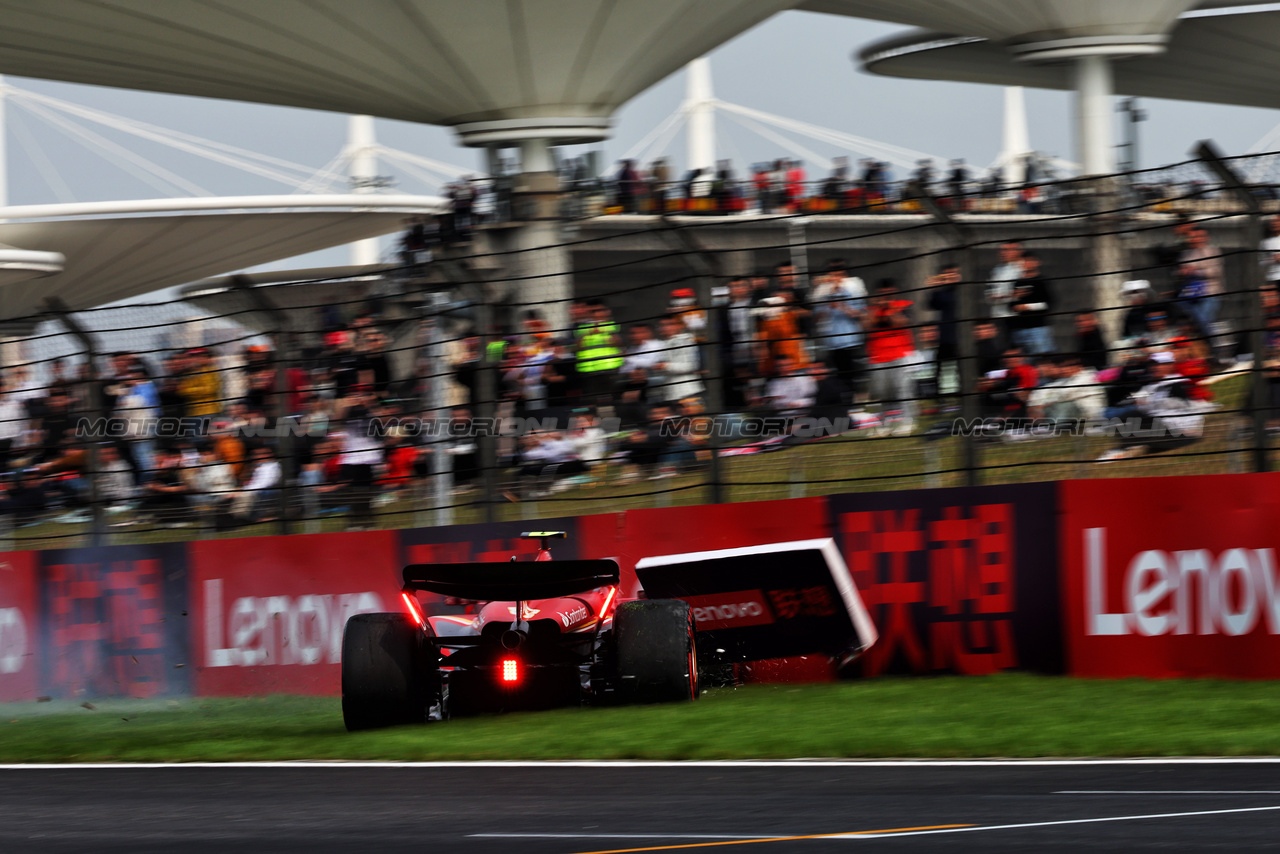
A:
<point x="737" y="357"/>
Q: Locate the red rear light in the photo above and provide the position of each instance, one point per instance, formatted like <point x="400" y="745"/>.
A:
<point x="604" y="611"/>
<point x="510" y="670"/>
<point x="414" y="610"/>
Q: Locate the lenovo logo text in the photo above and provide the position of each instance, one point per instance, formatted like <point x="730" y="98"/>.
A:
<point x="262" y="630"/>
<point x="1189" y="592"/>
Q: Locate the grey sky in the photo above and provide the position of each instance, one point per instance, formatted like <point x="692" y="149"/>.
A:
<point x="797" y="64"/>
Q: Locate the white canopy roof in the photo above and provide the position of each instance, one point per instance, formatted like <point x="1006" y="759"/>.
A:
<point x="572" y="62"/>
<point x="116" y="250"/>
<point x="505" y="70"/>
<point x="1225" y="59"/>
<point x="1021" y="19"/>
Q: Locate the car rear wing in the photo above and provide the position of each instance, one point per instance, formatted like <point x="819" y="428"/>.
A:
<point x="771" y="601"/>
<point x="511" y="581"/>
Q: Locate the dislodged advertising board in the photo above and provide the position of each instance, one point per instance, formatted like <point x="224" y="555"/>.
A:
<point x="269" y="612"/>
<point x="115" y="621"/>
<point x="628" y="537"/>
<point x="19" y="627"/>
<point x="1171" y="577"/>
<point x="956" y="580"/>
<point x="766" y="602"/>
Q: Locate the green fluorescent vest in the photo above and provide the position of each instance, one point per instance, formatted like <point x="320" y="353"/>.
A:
<point x="596" y="353"/>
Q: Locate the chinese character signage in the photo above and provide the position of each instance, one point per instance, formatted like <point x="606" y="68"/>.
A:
<point x="956" y="580"/>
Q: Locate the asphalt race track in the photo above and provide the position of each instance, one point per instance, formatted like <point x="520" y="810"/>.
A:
<point x="586" y="807"/>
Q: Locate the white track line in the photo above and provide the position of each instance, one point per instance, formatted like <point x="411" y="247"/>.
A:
<point x="629" y="763"/>
<point x="1168" y="792"/>
<point x="979" y="828"/>
<point x="871" y="834"/>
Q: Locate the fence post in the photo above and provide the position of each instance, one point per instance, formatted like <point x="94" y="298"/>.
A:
<point x="798" y="246"/>
<point x="470" y="274"/>
<point x="1258" y="398"/>
<point x="437" y="368"/>
<point x="97" y="409"/>
<point x="280" y="340"/>
<point x="487" y="408"/>
<point x="967" y="309"/>
<point x="703" y="266"/>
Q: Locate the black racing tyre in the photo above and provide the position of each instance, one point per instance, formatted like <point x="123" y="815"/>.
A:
<point x="389" y="676"/>
<point x="656" y="656"/>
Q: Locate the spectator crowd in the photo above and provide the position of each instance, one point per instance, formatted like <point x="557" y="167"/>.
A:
<point x="833" y="346"/>
<point x="333" y="421"/>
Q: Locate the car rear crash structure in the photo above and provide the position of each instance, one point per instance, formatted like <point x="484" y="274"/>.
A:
<point x="552" y="633"/>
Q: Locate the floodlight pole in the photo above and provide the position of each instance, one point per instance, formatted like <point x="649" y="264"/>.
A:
<point x="1259" y="404"/>
<point x="967" y="309"/>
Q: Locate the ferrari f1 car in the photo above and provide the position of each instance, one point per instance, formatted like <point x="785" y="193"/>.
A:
<point x="550" y="633"/>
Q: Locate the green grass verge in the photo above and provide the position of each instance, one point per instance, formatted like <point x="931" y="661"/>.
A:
<point x="1004" y="715"/>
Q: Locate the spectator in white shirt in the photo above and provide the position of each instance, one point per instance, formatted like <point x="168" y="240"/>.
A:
<point x="1074" y="393"/>
<point x="13" y="424"/>
<point x="550" y="456"/>
<point x="590" y="442"/>
<point x="793" y="390"/>
<point x="644" y="353"/>
<point x="680" y="357"/>
<point x="1003" y="280"/>
<point x="1269" y="256"/>
<point x="215" y="483"/>
<point x="361" y="454"/>
<point x="251" y="501"/>
<point x="115" y="479"/>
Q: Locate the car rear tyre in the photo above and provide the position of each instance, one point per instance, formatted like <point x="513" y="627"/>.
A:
<point x="388" y="676"/>
<point x="656" y="654"/>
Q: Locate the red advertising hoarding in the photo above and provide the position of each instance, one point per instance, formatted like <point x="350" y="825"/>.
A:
<point x="1167" y="577"/>
<point x="114" y="621"/>
<point x="19" y="624"/>
<point x="269" y="611"/>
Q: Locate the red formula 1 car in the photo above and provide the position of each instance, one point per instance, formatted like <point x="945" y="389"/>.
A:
<point x="547" y="633"/>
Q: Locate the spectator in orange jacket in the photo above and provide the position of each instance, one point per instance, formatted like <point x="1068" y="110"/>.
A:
<point x="779" y="334"/>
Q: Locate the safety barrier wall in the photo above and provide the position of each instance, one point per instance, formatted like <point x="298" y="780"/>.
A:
<point x="1141" y="577"/>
